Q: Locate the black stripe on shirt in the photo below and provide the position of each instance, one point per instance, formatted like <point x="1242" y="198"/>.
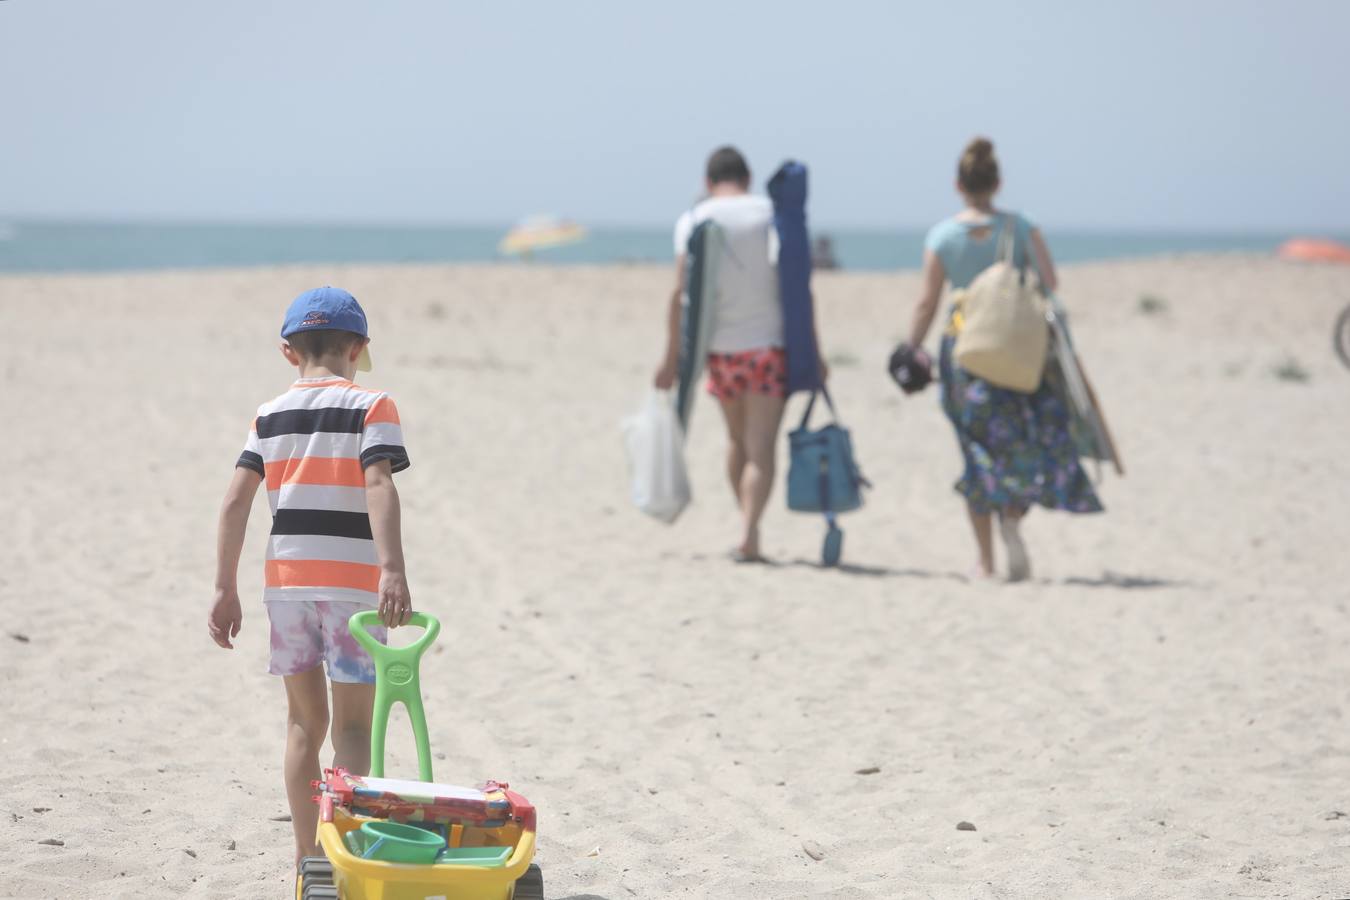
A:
<point x="332" y="419"/>
<point x="397" y="456"/>
<point x="322" y="521"/>
<point x="250" y="460"/>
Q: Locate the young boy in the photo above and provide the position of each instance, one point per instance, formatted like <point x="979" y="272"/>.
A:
<point x="327" y="450"/>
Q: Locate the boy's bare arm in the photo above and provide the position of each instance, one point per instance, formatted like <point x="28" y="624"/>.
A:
<point x="385" y="526"/>
<point x="226" y="616"/>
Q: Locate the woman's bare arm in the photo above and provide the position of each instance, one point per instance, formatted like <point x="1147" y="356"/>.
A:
<point x="1045" y="266"/>
<point x="932" y="278"/>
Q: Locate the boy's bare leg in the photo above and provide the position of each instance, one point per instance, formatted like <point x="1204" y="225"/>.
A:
<point x="353" y="705"/>
<point x="733" y="411"/>
<point x="306" y="728"/>
<point x="763" y="414"/>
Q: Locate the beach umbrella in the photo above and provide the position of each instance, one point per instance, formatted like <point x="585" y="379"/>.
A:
<point x="1314" y="250"/>
<point x="538" y="233"/>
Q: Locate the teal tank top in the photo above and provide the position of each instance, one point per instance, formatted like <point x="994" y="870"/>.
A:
<point x="963" y="257"/>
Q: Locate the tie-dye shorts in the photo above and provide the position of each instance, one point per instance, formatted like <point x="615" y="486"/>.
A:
<point x="308" y="632"/>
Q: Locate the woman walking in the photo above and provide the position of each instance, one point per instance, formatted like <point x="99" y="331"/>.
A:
<point x="1016" y="447"/>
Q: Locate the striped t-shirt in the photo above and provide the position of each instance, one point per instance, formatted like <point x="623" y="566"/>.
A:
<point x="312" y="446"/>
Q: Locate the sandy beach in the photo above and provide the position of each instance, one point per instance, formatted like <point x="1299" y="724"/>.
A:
<point x="1159" y="713"/>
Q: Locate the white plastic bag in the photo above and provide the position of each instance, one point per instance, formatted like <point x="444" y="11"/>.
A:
<point x="655" y="443"/>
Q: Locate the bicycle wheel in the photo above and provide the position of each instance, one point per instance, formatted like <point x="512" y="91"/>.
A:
<point x="1340" y="337"/>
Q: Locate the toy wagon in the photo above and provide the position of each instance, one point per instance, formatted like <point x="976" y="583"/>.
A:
<point x="391" y="839"/>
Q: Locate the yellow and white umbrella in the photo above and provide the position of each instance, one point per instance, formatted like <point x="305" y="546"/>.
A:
<point x="540" y="232"/>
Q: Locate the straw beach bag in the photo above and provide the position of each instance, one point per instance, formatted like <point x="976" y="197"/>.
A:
<point x="1004" y="336"/>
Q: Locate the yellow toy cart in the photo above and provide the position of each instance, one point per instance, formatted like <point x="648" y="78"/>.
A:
<point x="391" y="839"/>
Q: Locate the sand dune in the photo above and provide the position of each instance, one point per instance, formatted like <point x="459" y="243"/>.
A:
<point x="1159" y="713"/>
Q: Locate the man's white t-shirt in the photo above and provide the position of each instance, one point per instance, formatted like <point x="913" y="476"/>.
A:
<point x="748" y="315"/>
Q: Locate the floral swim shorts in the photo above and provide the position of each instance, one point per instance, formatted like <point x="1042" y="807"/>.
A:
<point x="762" y="371"/>
<point x="308" y="632"/>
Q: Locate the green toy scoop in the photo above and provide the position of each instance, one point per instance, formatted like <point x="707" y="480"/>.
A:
<point x="396" y="681"/>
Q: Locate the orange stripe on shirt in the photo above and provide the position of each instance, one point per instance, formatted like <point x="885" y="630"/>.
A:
<point x="322" y="573"/>
<point x="335" y="472"/>
<point x="382" y="410"/>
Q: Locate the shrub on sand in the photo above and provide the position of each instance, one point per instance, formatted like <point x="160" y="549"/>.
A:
<point x="1291" y="370"/>
<point x="1152" y="304"/>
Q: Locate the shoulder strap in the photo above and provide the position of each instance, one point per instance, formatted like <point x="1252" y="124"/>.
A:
<point x="811" y="404"/>
<point x="834" y="416"/>
<point x="1011" y="223"/>
<point x="1007" y="239"/>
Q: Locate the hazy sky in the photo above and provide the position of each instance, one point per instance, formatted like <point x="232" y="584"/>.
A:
<point x="1179" y="115"/>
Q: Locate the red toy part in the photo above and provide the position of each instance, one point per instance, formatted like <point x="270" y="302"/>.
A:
<point x="521" y="809"/>
<point x="490" y="806"/>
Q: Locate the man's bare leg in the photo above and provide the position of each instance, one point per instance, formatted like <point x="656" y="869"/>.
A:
<point x="763" y="415"/>
<point x="306" y="728"/>
<point x="733" y="411"/>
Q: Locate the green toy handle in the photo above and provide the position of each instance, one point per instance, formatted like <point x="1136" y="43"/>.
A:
<point x="369" y="617"/>
<point x="397" y="681"/>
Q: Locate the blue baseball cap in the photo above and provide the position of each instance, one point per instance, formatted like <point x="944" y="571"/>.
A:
<point x="331" y="308"/>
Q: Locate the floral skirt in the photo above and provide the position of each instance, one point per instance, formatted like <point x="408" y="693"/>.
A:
<point x="1018" y="449"/>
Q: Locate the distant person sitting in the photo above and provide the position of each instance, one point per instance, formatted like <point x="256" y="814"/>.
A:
<point x="747" y="366"/>
<point x="822" y="253"/>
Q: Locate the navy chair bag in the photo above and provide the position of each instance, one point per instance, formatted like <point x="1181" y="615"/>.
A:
<point x="787" y="190"/>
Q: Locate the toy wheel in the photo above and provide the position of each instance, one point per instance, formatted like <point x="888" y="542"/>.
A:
<point x="317" y="869"/>
<point x="530" y="886"/>
<point x="833" y="547"/>
<point x="315" y="881"/>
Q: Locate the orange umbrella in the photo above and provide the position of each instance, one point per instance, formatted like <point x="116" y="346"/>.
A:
<point x="1314" y="250"/>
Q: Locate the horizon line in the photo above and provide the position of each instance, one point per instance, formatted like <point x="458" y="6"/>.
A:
<point x="21" y="219"/>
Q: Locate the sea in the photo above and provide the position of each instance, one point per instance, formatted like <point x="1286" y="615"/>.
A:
<point x="28" y="246"/>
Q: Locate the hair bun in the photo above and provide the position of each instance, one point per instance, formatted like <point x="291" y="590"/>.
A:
<point x="980" y="149"/>
<point x="977" y="171"/>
